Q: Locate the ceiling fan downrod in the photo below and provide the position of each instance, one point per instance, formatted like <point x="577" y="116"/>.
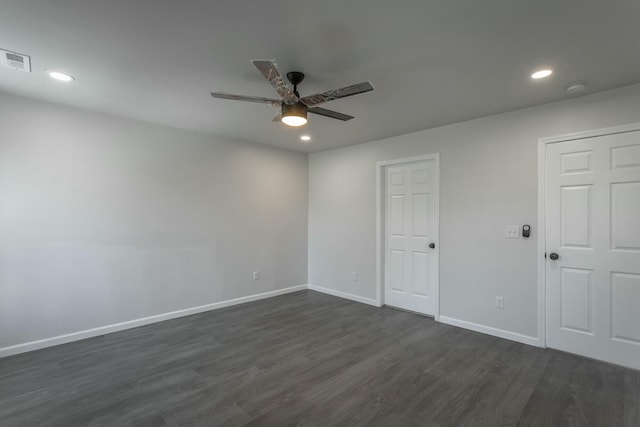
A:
<point x="295" y="77"/>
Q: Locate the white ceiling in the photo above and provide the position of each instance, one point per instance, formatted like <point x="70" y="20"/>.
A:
<point x="432" y="62"/>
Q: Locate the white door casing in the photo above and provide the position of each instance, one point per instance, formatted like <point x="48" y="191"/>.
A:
<point x="593" y="223"/>
<point x="410" y="227"/>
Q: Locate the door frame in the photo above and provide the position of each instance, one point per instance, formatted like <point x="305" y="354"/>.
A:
<point x="381" y="168"/>
<point x="543" y="143"/>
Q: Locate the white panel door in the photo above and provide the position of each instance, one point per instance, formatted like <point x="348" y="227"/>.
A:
<point x="593" y="226"/>
<point x="411" y="234"/>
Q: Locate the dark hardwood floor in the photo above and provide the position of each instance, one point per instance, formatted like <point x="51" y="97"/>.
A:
<point x="311" y="359"/>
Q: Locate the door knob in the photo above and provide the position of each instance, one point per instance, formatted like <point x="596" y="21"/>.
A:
<point x="432" y="245"/>
<point x="553" y="256"/>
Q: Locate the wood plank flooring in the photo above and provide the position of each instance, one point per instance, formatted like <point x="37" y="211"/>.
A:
<point x="309" y="359"/>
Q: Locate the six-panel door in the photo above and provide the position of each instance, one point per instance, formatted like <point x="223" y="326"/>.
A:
<point x="410" y="227"/>
<point x="593" y="224"/>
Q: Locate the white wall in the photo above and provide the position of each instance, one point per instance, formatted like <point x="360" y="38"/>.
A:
<point x="488" y="175"/>
<point x="105" y="220"/>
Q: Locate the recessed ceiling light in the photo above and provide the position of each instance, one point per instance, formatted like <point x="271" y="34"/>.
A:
<point x="541" y="74"/>
<point x="305" y="138"/>
<point x="60" y="76"/>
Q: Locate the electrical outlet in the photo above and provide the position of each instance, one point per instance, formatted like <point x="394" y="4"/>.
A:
<point x="354" y="276"/>
<point x="500" y="302"/>
<point x="512" y="232"/>
<point x="256" y="275"/>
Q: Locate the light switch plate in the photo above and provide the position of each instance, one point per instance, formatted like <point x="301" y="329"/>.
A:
<point x="512" y="232"/>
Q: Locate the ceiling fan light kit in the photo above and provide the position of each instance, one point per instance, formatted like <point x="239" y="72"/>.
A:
<point x="294" y="115"/>
<point x="294" y="109"/>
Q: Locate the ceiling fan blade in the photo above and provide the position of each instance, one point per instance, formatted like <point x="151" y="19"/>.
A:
<point x="222" y="95"/>
<point x="330" y="113"/>
<point x="321" y="98"/>
<point x="270" y="71"/>
<point x="277" y="118"/>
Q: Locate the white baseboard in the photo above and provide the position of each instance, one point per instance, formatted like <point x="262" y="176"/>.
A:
<point x="102" y="330"/>
<point x="500" y="333"/>
<point x="345" y="295"/>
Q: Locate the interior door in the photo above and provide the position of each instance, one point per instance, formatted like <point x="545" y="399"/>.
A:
<point x="593" y="247"/>
<point x="411" y="234"/>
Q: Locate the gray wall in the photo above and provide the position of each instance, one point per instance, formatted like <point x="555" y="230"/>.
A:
<point x="488" y="180"/>
<point x="105" y="220"/>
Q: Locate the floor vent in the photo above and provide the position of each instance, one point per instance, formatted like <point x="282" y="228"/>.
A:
<point x="15" y="61"/>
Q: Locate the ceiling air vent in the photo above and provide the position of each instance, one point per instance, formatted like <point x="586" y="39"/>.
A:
<point x="15" y="61"/>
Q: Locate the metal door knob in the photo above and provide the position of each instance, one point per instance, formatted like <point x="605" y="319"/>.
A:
<point x="553" y="256"/>
<point x="432" y="245"/>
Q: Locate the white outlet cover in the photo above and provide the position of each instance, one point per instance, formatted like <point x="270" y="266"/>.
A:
<point x="512" y="232"/>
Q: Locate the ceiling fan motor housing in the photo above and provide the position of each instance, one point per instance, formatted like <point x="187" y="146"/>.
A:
<point x="295" y="77"/>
